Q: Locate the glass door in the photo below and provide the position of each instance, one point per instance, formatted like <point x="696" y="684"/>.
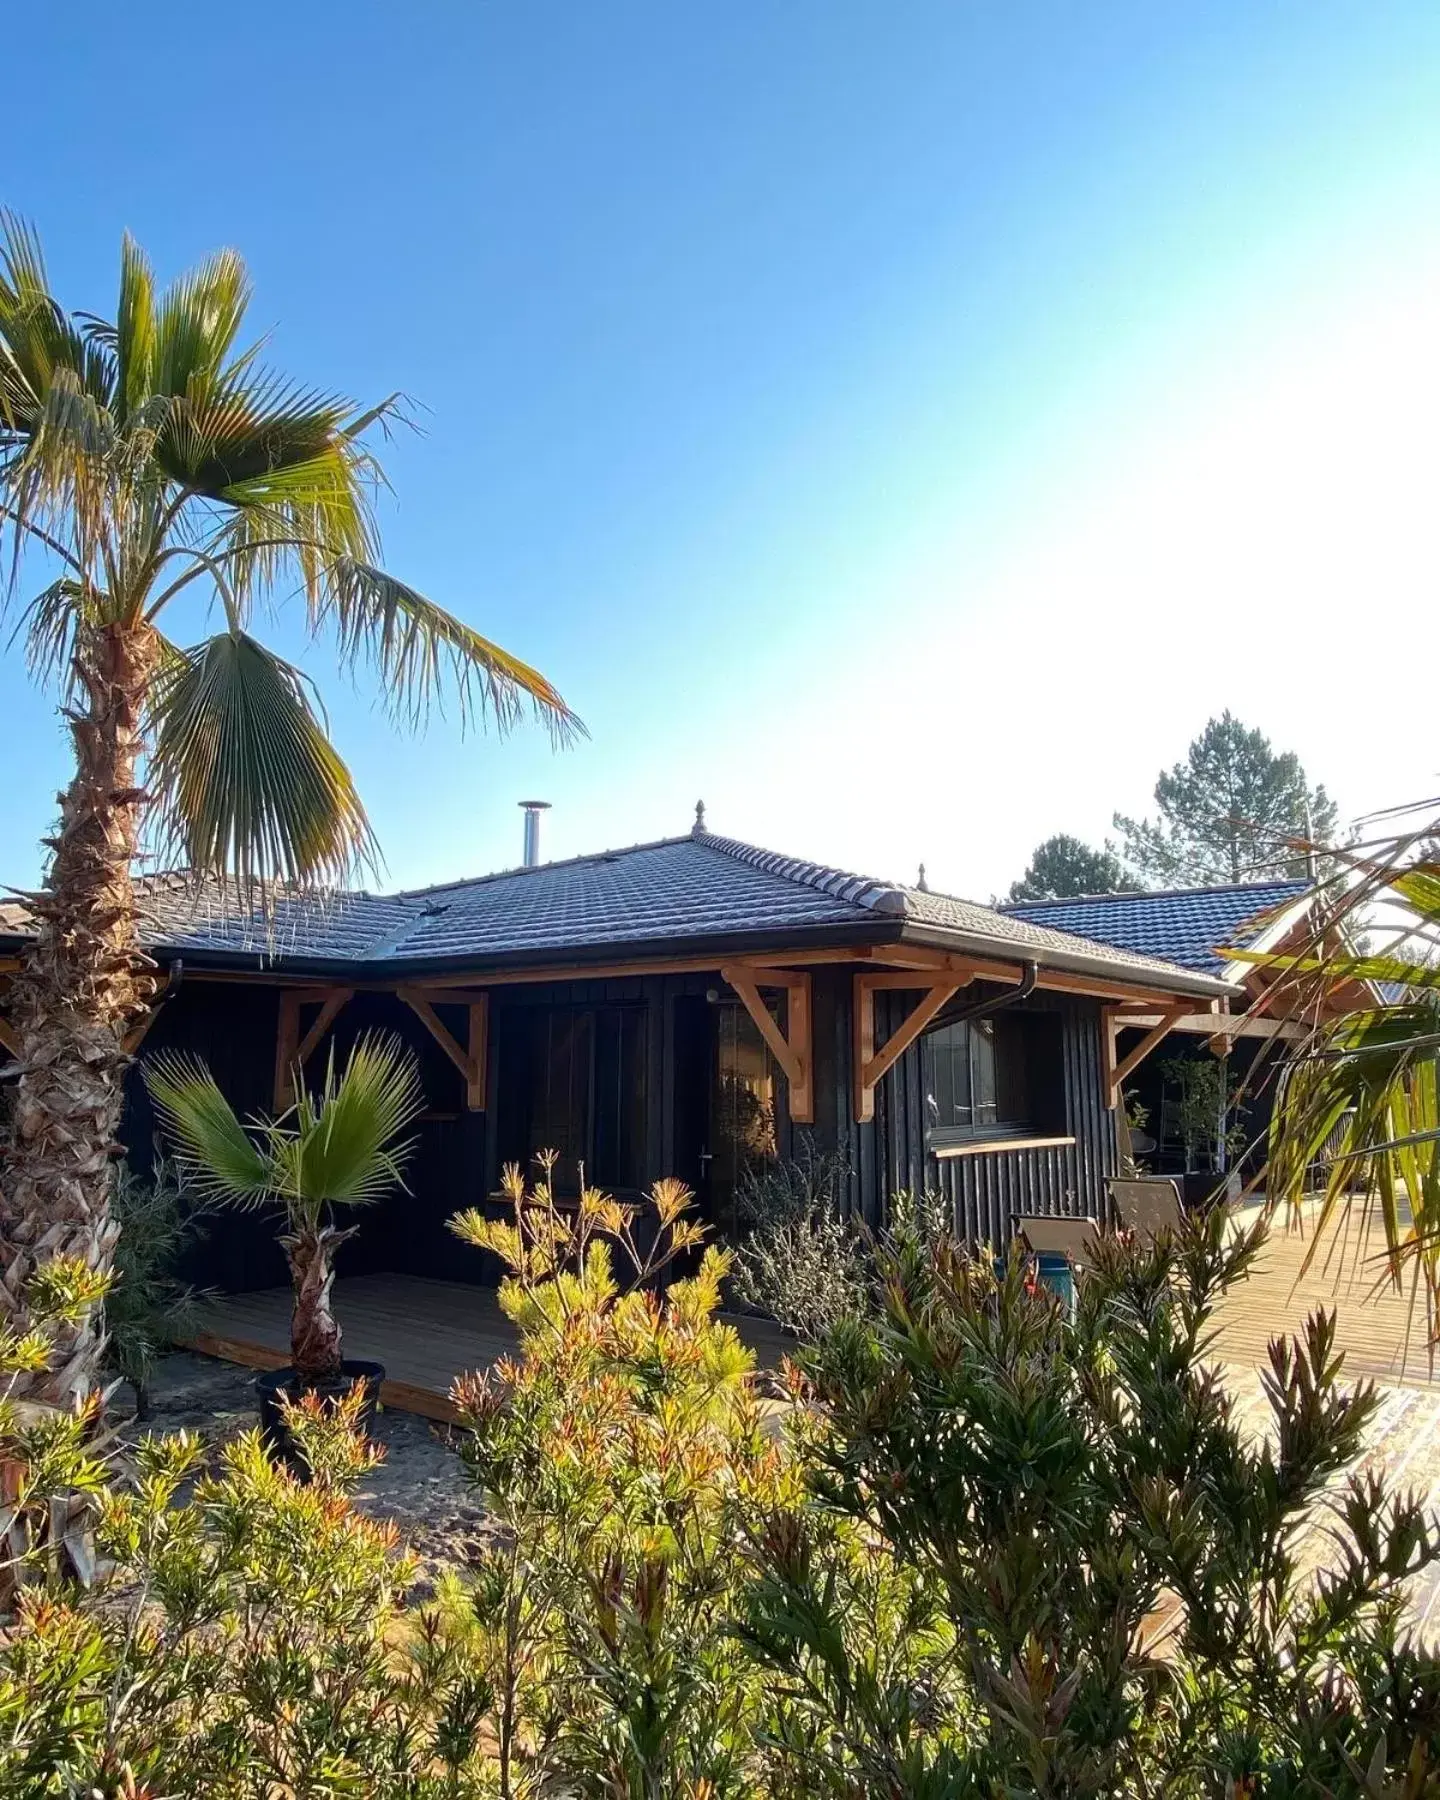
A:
<point x="743" y="1114"/>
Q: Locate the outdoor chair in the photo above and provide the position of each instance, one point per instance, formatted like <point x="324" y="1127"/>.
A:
<point x="1049" y="1236"/>
<point x="1147" y="1205"/>
<point x="1059" y="1246"/>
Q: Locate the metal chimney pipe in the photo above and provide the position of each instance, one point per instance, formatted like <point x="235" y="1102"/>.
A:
<point x="532" y="810"/>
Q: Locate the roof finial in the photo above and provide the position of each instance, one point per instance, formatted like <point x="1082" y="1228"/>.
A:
<point x="920" y="884"/>
<point x="699" y="828"/>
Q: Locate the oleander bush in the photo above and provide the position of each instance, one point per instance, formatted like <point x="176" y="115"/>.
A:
<point x="982" y="1548"/>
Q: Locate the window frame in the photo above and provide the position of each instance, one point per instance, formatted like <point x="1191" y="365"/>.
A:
<point x="1039" y="1123"/>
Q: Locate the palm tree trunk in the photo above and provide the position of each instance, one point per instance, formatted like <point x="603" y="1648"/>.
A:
<point x="314" y="1333"/>
<point x="81" y="983"/>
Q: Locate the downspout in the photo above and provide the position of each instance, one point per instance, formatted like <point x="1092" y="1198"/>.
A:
<point x="997" y="1002"/>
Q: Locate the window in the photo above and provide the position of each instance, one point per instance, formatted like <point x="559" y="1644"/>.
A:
<point x="1000" y="1077"/>
<point x="572" y="1079"/>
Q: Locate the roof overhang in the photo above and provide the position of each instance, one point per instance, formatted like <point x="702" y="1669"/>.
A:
<point x="887" y="942"/>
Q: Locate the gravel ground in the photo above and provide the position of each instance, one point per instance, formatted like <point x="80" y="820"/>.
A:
<point x="421" y="1484"/>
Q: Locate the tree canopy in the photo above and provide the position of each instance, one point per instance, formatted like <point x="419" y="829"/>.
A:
<point x="1063" y="866"/>
<point x="1231" y="811"/>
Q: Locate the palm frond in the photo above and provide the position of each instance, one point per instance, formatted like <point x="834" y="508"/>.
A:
<point x="60" y="478"/>
<point x="196" y="323"/>
<point x="37" y="339"/>
<point x="1400" y="971"/>
<point x="136" y="330"/>
<point x="422" y="653"/>
<point x="344" y="1149"/>
<point x="242" y="432"/>
<point x="1356" y="1119"/>
<point x="248" y="786"/>
<point x="47" y="626"/>
<point x="212" y="1146"/>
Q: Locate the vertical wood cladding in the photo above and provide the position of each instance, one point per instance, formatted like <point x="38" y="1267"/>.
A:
<point x="455" y="1164"/>
<point x="986" y="1188"/>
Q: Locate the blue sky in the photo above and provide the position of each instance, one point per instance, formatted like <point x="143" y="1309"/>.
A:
<point x="900" y="425"/>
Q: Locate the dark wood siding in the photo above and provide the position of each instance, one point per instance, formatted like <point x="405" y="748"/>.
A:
<point x="233" y="1026"/>
<point x="985" y="1189"/>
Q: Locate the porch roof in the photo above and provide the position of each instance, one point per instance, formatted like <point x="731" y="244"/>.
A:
<point x="676" y="896"/>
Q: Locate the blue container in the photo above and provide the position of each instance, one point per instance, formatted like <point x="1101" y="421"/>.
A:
<point x="1059" y="1277"/>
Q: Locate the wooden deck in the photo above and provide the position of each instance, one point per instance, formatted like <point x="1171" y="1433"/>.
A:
<point x="425" y="1332"/>
<point x="428" y="1332"/>
<point x="1381" y="1335"/>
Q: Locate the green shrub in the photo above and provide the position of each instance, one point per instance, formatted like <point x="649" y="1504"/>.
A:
<point x="1114" y="1563"/>
<point x="987" y="1549"/>
<point x="147" y="1305"/>
<point x="800" y="1261"/>
<point x="622" y="1455"/>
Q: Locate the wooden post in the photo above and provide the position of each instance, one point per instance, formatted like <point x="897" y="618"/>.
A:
<point x="329" y="1011"/>
<point x="1117" y="1072"/>
<point x="799" y="1031"/>
<point x="872" y="1064"/>
<point x="470" y="1061"/>
<point x="479" y="1046"/>
<point x="287" y="1043"/>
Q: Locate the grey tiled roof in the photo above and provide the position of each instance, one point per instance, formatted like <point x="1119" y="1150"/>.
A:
<point x="701" y="888"/>
<point x="1188" y="926"/>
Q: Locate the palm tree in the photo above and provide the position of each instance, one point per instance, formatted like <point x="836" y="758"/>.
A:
<point x="1356" y="1119"/>
<point x="149" y="463"/>
<point x="335" y="1149"/>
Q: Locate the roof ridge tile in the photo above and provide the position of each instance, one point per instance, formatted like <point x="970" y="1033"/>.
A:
<point x="859" y="890"/>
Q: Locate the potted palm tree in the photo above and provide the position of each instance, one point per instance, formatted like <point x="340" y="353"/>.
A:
<point x="340" y="1148"/>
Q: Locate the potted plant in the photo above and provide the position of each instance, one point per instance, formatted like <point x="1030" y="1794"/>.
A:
<point x="1200" y="1106"/>
<point x="339" y="1148"/>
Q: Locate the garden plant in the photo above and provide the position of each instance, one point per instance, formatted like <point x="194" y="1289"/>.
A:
<point x="985" y="1548"/>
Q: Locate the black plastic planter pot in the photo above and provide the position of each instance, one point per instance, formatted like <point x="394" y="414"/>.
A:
<point x="272" y="1383"/>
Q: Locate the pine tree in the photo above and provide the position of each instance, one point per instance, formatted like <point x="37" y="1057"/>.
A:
<point x="1232" y="811"/>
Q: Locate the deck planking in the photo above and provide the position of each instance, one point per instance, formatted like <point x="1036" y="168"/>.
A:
<point x="1382" y="1335"/>
<point x="425" y="1332"/>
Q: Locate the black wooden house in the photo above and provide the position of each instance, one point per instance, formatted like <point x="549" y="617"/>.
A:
<point x="675" y="1008"/>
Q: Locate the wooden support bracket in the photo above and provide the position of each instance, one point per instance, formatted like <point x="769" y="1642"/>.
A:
<point x="470" y="1060"/>
<point x="793" y="1048"/>
<point x="329" y="1012"/>
<point x="1113" y="1023"/>
<point x="137" y="1033"/>
<point x="10" y="1038"/>
<point x="870" y="1064"/>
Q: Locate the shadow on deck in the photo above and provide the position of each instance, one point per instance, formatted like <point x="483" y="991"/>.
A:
<point x="425" y="1332"/>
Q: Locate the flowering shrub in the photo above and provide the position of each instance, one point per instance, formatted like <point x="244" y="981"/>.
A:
<point x="622" y="1454"/>
<point x="1107" y="1565"/>
<point x="985" y="1549"/>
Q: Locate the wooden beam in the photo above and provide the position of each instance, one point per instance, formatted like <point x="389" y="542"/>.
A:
<point x="744" y="985"/>
<point x="456" y="988"/>
<point x="871" y="1065"/>
<point x="138" y="1032"/>
<point x="917" y="980"/>
<point x="330" y="1007"/>
<point x="287" y="1042"/>
<point x="792" y="1048"/>
<point x="479" y="1052"/>
<point x="471" y="1060"/>
<point x="432" y="1022"/>
<point x="1132" y="1060"/>
<point x="10" y="1038"/>
<point x="1061" y="981"/>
